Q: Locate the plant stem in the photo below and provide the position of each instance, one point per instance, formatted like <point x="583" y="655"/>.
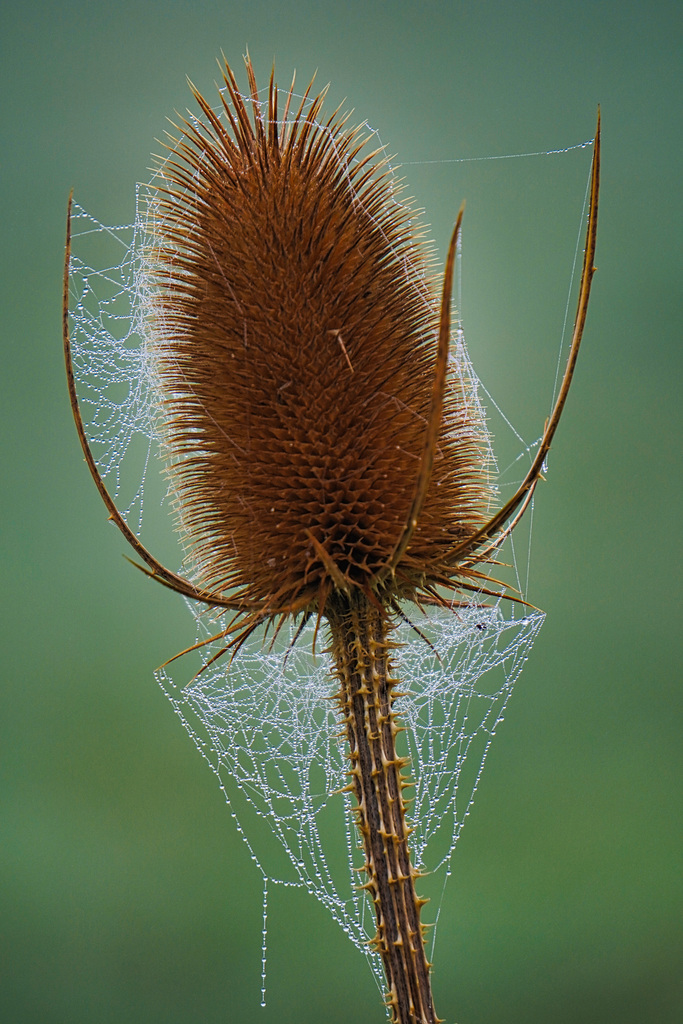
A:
<point x="361" y="649"/>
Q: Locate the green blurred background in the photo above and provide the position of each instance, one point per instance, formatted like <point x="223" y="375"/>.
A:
<point x="126" y="892"/>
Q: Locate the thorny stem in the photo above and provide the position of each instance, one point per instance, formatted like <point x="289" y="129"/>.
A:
<point x="361" y="649"/>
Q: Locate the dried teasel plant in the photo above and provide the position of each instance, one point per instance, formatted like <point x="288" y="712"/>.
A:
<point x="325" y="459"/>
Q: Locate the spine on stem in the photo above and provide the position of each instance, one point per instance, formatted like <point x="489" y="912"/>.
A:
<point x="361" y="648"/>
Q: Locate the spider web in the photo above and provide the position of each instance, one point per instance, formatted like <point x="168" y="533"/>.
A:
<point x="271" y="734"/>
<point x="265" y="722"/>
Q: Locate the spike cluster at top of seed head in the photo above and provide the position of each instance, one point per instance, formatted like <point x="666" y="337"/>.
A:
<point x="296" y="341"/>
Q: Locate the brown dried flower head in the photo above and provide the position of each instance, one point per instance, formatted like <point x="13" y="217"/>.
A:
<point x="297" y="334"/>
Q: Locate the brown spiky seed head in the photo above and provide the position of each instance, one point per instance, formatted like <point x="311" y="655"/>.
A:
<point x="295" y="325"/>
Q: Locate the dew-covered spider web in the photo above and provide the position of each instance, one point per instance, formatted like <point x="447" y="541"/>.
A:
<point x="265" y="721"/>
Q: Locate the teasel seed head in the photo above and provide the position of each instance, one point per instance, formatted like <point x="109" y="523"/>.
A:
<point x="295" y="325"/>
